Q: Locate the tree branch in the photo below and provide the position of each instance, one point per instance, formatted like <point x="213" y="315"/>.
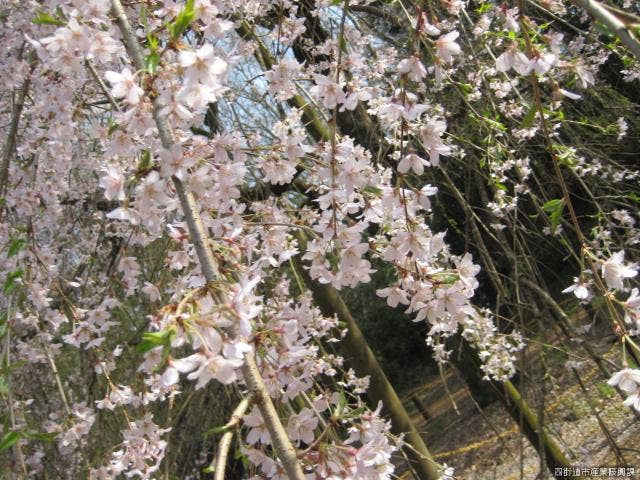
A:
<point x="200" y="238"/>
<point x="614" y="22"/>
<point x="10" y="142"/>
<point x="225" y="441"/>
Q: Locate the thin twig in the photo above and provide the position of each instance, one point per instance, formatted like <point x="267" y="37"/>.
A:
<point x="225" y="441"/>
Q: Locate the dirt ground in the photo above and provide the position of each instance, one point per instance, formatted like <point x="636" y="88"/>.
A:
<point x="588" y="421"/>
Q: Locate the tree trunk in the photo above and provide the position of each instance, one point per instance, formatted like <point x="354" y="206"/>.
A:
<point x="484" y="391"/>
<point x="358" y="355"/>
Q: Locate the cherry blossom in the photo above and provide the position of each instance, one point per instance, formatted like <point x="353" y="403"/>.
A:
<point x="285" y="148"/>
<point x="447" y="47"/>
<point x="614" y="270"/>
<point x="124" y="85"/>
<point x="202" y="65"/>
<point x="413" y="67"/>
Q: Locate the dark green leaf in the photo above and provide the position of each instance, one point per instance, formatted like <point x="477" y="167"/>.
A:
<point x="15" y="246"/>
<point x="11" y="279"/>
<point x="554" y="209"/>
<point x="152" y="43"/>
<point x="373" y="190"/>
<point x="216" y="430"/>
<point x="9" y="440"/>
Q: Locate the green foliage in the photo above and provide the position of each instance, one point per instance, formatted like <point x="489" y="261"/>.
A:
<point x="182" y="20"/>
<point x="9" y="440"/>
<point x="554" y="208"/>
<point x="151" y="340"/>
<point x="15" y="246"/>
<point x="44" y="18"/>
<point x="10" y="282"/>
<point x="152" y="60"/>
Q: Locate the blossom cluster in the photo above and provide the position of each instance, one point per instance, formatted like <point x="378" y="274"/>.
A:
<point x="290" y="143"/>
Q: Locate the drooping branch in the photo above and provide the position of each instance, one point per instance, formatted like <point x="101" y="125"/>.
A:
<point x="618" y="24"/>
<point x="315" y="125"/>
<point x="359" y="355"/>
<point x="10" y="142"/>
<point x="201" y="241"/>
<point x="225" y="441"/>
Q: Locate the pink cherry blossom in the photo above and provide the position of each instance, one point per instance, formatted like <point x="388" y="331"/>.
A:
<point x="413" y="67"/>
<point x="447" y="47"/>
<point x="123" y="85"/>
<point x="614" y="270"/>
<point x="113" y="184"/>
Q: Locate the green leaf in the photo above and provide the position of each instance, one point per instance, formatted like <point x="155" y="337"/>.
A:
<point x="466" y="88"/>
<point x="9" y="440"/>
<point x="634" y="197"/>
<point x="356" y="412"/>
<point x="483" y="8"/>
<point x="44" y="18"/>
<point x="145" y="161"/>
<point x="342" y="401"/>
<point x="183" y="20"/>
<point x="554" y="209"/>
<point x="566" y="155"/>
<point x="216" y="430"/>
<point x="373" y="190"/>
<point x="151" y="62"/>
<point x="47" y="437"/>
<point x="528" y="119"/>
<point x="113" y="126"/>
<point x="11" y="279"/>
<point x="152" y="43"/>
<point x="151" y="340"/>
<point x="15" y="246"/>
